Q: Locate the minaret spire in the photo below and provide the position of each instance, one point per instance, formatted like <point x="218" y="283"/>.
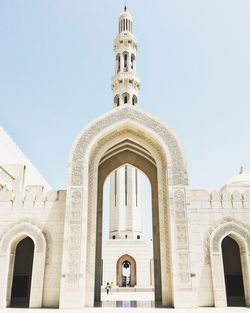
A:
<point x="125" y="83"/>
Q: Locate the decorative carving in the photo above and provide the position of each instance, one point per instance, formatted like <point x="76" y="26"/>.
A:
<point x="178" y="171"/>
<point x="19" y="230"/>
<point x="184" y="273"/>
<point x="221" y="229"/>
<point x="83" y="173"/>
<point x="74" y="238"/>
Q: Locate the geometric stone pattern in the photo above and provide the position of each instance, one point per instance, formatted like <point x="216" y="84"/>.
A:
<point x="74" y="239"/>
<point x="179" y="170"/>
<point x="181" y="232"/>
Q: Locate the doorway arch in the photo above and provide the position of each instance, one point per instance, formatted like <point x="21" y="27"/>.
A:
<point x="122" y="131"/>
<point x="127" y="153"/>
<point x="119" y="270"/>
<point x="22" y="273"/>
<point x="241" y="236"/>
<point x="8" y="243"/>
<point x="233" y="272"/>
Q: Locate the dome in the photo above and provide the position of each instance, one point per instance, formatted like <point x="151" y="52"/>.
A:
<point x="126" y="14"/>
<point x="239" y="182"/>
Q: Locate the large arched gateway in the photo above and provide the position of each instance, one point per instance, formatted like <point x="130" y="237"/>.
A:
<point x="125" y="135"/>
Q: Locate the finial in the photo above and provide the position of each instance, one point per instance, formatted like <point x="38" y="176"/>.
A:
<point x="125" y="6"/>
<point x="241" y="170"/>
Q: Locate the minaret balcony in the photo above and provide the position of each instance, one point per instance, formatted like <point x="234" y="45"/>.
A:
<point x="125" y="79"/>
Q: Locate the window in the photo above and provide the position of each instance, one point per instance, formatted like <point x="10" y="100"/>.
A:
<point x="125" y="62"/>
<point x="117" y="100"/>
<point x="132" y="61"/>
<point x="126" y="236"/>
<point x="113" y="236"/>
<point x="134" y="100"/>
<point x="118" y="62"/>
<point x="125" y="98"/>
<point x="138" y="237"/>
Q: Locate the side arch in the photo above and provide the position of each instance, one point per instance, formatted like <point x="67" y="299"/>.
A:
<point x="8" y="244"/>
<point x="238" y="232"/>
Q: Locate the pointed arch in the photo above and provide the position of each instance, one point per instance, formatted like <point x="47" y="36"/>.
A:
<point x="126" y="98"/>
<point x="119" y="263"/>
<point x="241" y="235"/>
<point x="154" y="142"/>
<point x="117" y="100"/>
<point x="134" y="100"/>
<point x="125" y="61"/>
<point x="8" y="244"/>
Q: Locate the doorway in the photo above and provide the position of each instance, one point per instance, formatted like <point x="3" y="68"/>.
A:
<point x="233" y="273"/>
<point x="126" y="271"/>
<point x="22" y="275"/>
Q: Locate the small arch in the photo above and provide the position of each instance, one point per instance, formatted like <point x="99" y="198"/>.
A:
<point x="241" y="235"/>
<point x="233" y="277"/>
<point x="117" y="100"/>
<point x="8" y="244"/>
<point x="132" y="61"/>
<point x="122" y="280"/>
<point x="126" y="60"/>
<point x="22" y="273"/>
<point x="118" y="62"/>
<point x="125" y="98"/>
<point x="134" y="100"/>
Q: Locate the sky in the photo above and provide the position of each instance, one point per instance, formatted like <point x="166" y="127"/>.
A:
<point x="57" y="60"/>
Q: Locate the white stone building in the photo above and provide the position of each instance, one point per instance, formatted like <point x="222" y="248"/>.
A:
<point x="51" y="252"/>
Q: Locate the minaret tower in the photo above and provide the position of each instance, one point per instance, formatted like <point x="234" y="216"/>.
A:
<point x="125" y="83"/>
<point x="125" y="187"/>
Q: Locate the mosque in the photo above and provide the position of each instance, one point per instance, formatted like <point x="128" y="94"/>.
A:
<point x="52" y="252"/>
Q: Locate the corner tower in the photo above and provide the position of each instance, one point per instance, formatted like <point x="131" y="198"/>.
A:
<point x="125" y="83"/>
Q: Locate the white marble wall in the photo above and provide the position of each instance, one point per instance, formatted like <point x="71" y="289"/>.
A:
<point x="46" y="212"/>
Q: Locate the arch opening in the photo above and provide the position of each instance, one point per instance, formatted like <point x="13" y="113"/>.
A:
<point x="233" y="275"/>
<point x="117" y="100"/>
<point x="126" y="271"/>
<point x="126" y="98"/>
<point x="22" y="274"/>
<point x="110" y="162"/>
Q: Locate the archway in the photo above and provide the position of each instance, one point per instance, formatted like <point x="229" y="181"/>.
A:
<point x="22" y="274"/>
<point x="126" y="271"/>
<point x="156" y="145"/>
<point x="233" y="273"/>
<point x="127" y="153"/>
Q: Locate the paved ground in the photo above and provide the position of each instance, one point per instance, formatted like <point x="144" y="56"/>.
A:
<point x="132" y="302"/>
<point x="130" y="310"/>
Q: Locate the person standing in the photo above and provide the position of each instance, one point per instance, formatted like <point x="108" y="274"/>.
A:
<point x="107" y="288"/>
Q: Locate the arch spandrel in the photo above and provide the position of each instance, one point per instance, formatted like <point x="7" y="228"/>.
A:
<point x="220" y="230"/>
<point x="232" y="229"/>
<point x="177" y="167"/>
<point x="19" y="231"/>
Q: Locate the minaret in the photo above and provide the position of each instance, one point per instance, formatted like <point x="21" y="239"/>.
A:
<point x="125" y="83"/>
<point x="125" y="187"/>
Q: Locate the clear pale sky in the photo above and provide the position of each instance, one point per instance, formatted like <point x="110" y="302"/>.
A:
<point x="56" y="62"/>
